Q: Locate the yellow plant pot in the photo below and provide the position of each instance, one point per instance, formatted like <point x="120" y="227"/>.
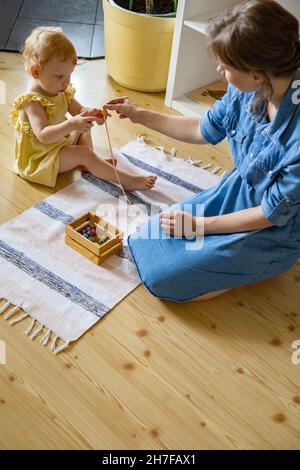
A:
<point x="137" y="48"/>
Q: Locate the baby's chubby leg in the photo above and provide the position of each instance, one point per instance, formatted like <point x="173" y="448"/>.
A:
<point x="80" y="155"/>
<point x="85" y="139"/>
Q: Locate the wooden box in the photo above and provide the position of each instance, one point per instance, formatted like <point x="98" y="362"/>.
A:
<point x="94" y="251"/>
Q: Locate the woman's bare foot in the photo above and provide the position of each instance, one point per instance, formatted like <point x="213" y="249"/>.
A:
<point x="139" y="183"/>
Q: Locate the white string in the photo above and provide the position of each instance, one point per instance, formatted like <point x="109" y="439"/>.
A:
<point x="112" y="157"/>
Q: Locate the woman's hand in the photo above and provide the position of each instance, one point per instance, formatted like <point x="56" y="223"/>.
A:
<point x="181" y="224"/>
<point x="123" y="107"/>
<point x="82" y="122"/>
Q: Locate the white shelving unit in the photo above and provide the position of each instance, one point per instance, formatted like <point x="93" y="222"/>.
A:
<point x="191" y="67"/>
<point x="199" y="23"/>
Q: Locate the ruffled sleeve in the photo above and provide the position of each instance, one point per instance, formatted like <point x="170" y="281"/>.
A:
<point x="19" y="102"/>
<point x="69" y="93"/>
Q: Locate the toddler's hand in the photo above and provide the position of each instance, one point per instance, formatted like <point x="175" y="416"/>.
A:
<point x="83" y="122"/>
<point x="99" y="114"/>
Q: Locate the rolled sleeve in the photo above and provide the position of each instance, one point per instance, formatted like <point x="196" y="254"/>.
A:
<point x="211" y="125"/>
<point x="281" y="200"/>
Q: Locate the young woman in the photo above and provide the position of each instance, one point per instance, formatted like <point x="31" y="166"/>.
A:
<point x="252" y="217"/>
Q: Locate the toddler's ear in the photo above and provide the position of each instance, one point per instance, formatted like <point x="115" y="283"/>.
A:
<point x="35" y="71"/>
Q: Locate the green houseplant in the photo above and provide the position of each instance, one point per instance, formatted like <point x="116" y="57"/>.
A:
<point x="152" y="7"/>
<point x="138" y="42"/>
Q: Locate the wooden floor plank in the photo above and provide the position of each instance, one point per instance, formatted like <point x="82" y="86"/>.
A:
<point x="151" y="374"/>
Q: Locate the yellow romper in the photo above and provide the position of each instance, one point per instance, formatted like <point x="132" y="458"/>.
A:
<point x="35" y="161"/>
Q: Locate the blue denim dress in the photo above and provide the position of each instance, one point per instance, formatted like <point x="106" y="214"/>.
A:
<point x="267" y="174"/>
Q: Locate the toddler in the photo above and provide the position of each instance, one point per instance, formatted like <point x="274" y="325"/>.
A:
<point x="47" y="142"/>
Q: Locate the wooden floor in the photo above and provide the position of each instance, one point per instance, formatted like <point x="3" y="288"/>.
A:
<point x="151" y="374"/>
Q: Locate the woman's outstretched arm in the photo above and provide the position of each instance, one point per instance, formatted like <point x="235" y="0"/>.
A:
<point x="185" y="129"/>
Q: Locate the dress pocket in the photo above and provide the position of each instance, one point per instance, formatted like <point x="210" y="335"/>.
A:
<point x="236" y="136"/>
<point x="261" y="164"/>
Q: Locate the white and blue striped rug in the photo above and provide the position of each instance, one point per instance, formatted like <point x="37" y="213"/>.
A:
<point x="62" y="293"/>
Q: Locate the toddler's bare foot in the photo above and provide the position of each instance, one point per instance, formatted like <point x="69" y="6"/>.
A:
<point x="139" y="183"/>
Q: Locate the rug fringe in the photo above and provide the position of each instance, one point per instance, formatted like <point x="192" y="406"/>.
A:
<point x="207" y="166"/>
<point x="171" y="153"/>
<point x="142" y="139"/>
<point x="10" y="313"/>
<point x="31" y="331"/>
<point x="61" y="347"/>
<point x="216" y="170"/>
<point x="18" y="319"/>
<point x="30" y="328"/>
<point x="45" y="338"/>
<point x="4" y="307"/>
<point x="36" y="332"/>
<point x="52" y="346"/>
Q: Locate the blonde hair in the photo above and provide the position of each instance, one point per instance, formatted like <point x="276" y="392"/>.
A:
<point x="45" y="43"/>
<point x="257" y="35"/>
